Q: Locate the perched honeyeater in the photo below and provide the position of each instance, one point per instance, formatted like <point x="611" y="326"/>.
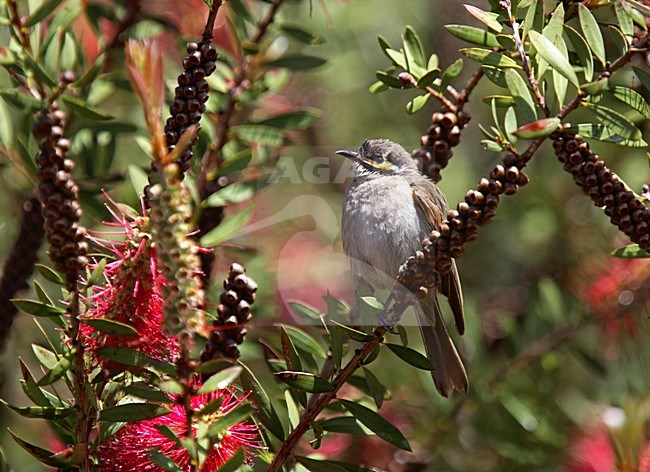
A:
<point x="389" y="208"/>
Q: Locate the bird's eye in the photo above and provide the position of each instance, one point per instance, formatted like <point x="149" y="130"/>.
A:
<point x="379" y="159"/>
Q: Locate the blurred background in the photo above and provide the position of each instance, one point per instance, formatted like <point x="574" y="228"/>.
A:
<point x="557" y="345"/>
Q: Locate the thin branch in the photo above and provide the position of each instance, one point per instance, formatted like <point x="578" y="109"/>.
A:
<point x="324" y="399"/>
<point x="506" y="5"/>
<point x="209" y="24"/>
<point x="465" y="92"/>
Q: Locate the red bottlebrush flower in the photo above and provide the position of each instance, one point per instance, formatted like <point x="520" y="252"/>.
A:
<point x="131" y="295"/>
<point x="129" y="449"/>
<point x="592" y="452"/>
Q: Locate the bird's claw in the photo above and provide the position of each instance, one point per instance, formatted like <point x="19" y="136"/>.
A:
<point x="387" y="320"/>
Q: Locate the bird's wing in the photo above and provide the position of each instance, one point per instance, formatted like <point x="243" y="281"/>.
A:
<point x="430" y="201"/>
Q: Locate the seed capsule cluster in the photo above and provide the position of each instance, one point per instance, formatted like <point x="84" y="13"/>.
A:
<point x="423" y="270"/>
<point x="443" y="134"/>
<point x="232" y="315"/>
<point x="190" y="96"/>
<point x="19" y="265"/>
<point x="178" y="253"/>
<point x="58" y="195"/>
<point x="604" y="187"/>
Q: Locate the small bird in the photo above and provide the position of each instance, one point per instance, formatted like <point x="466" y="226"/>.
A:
<point x="389" y="208"/>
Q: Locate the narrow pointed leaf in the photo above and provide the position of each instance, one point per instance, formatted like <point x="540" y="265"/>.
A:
<point x="39" y="453"/>
<point x="553" y="56"/>
<point x="238" y="415"/>
<point x="147" y="392"/>
<point x="345" y="425"/>
<point x="351" y="333"/>
<point x="135" y="358"/>
<point x="131" y="412"/>
<point x="108" y="326"/>
<point x="163" y="461"/>
<point x="35" y="308"/>
<point x="220" y="380"/>
<point x="50" y="274"/>
<point x="410" y="356"/>
<point x="259" y="399"/>
<point x="582" y="50"/>
<point x="413" y="48"/>
<point x="289" y="351"/>
<point x="84" y="109"/>
<point x="592" y="32"/>
<point x="631" y="98"/>
<point x="450" y="74"/>
<point x="496" y="76"/>
<point x="378" y="425"/>
<point x="305" y="341"/>
<point x="427" y="79"/>
<point x="620" y="43"/>
<point x="595" y="88"/>
<point x="56" y="372"/>
<point x="523" y="96"/>
<point x="389" y="80"/>
<point x="624" y="20"/>
<point x="501" y="101"/>
<point x="397" y="57"/>
<point x="489" y="19"/>
<point x="377" y="390"/>
<point x="43" y="412"/>
<point x="304" y="381"/>
<point x="602" y="133"/>
<point x="489" y="58"/>
<point x="417" y="104"/>
<point x="643" y="75"/>
<point x="41" y="12"/>
<point x="314" y="465"/>
<point x="473" y="35"/>
<point x="614" y="121"/>
<point x="534" y="19"/>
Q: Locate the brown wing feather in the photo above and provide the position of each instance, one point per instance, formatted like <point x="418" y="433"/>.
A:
<point x="433" y="205"/>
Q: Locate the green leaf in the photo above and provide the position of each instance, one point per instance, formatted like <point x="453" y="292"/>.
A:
<point x="553" y="56"/>
<point x="56" y="372"/>
<point x="227" y="229"/>
<point x="491" y="20"/>
<point x="410" y="356"/>
<point x="377" y="390"/>
<point x="235" y="462"/>
<point x="109" y="326"/>
<point x="306" y="312"/>
<point x="415" y="105"/>
<point x="138" y="178"/>
<point x="261" y="403"/>
<point x="630" y="251"/>
<point x="220" y="380"/>
<point x="397" y="57"/>
<point x="496" y="76"/>
<point x="377" y="424"/>
<point x="236" y="163"/>
<point x="427" y="79"/>
<point x="35" y="308"/>
<point x="389" y="80"/>
<point x="297" y="62"/>
<point x="31" y="389"/>
<point x="147" y="392"/>
<point x="560" y="83"/>
<point x="473" y="35"/>
<point x="523" y="97"/>
<point x="97" y="274"/>
<point x="551" y="31"/>
<point x="46" y="357"/>
<point x="314" y="465"/>
<point x="304" y="341"/>
<point x="595" y="88"/>
<point x="372" y="302"/>
<point x="602" y="133"/>
<point x="345" y="425"/>
<point x="260" y="134"/>
<point x="450" y="74"/>
<point x="592" y="32"/>
<point x="21" y="101"/>
<point x="237" y="192"/>
<point x="289" y="351"/>
<point x="534" y="19"/>
<point x="582" y="50"/>
<point x="631" y="98"/>
<point x="620" y="43"/>
<point x="131" y="412"/>
<point x="125" y="355"/>
<point x="537" y="129"/>
<point x="85" y="110"/>
<point x="49" y="274"/>
<point x="233" y="417"/>
<point x="501" y="101"/>
<point x="302" y="35"/>
<point x="614" y="121"/>
<point x="41" y="12"/>
<point x="489" y="58"/>
<point x="44" y="412"/>
<point x="491" y="146"/>
<point x="413" y="49"/>
<point x="509" y="125"/>
<point x="378" y="87"/>
<point x="350" y="333"/>
<point x="299" y="120"/>
<point x="41" y="454"/>
<point x="163" y="461"/>
<point x="304" y="381"/>
<point x="624" y="20"/>
<point x="7" y="57"/>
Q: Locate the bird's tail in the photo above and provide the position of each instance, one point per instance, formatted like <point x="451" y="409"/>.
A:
<point x="448" y="371"/>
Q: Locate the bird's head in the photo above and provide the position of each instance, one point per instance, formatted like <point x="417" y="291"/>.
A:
<point x="380" y="156"/>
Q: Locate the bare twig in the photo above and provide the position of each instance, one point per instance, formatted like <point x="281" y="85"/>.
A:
<point x="324" y="399"/>
<point x="465" y="92"/>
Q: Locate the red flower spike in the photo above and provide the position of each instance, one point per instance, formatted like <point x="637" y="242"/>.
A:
<point x="129" y="449"/>
<point x="132" y="295"/>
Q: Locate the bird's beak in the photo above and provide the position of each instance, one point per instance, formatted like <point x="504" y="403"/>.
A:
<point x="348" y="154"/>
